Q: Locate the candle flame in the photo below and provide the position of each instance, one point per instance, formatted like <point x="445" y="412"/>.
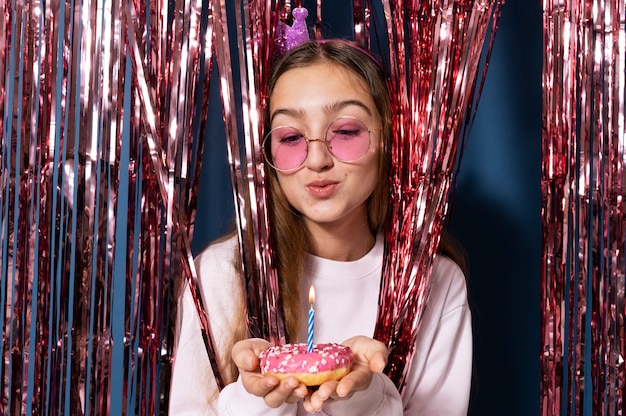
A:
<point x="312" y="294"/>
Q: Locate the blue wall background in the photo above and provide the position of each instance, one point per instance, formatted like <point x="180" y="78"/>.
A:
<point x="495" y="213"/>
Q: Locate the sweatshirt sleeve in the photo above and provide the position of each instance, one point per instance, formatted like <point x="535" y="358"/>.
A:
<point x="193" y="388"/>
<point x="234" y="400"/>
<point x="380" y="399"/>
<point x="440" y="378"/>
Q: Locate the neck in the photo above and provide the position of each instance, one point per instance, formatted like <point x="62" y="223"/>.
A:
<point x="347" y="241"/>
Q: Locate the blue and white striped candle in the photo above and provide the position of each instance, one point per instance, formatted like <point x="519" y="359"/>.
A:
<point x="311" y="326"/>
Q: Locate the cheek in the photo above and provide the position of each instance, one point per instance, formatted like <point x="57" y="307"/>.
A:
<point x="373" y="167"/>
<point x="287" y="185"/>
<point x="365" y="179"/>
<point x="372" y="180"/>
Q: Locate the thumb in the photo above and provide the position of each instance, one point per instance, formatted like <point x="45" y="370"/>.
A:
<point x="378" y="362"/>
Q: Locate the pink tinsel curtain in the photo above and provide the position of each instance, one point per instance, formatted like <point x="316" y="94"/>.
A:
<point x="101" y="111"/>
<point x="584" y="138"/>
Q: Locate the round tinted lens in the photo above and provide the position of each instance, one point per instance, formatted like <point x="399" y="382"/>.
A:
<point x="348" y="139"/>
<point x="286" y="148"/>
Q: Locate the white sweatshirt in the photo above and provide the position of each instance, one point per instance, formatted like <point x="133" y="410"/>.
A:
<point x="346" y="305"/>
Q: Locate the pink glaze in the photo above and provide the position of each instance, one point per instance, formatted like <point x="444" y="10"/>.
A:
<point x="293" y="358"/>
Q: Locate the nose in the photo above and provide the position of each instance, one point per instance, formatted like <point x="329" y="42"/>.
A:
<point x="318" y="156"/>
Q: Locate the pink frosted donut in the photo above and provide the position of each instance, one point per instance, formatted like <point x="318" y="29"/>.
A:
<point x="326" y="362"/>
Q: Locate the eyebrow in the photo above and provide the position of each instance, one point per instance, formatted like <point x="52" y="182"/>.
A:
<point x="328" y="108"/>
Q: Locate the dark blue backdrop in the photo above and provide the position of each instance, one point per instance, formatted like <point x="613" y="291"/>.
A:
<point x="495" y="213"/>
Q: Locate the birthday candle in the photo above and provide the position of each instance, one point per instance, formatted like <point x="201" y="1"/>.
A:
<point x="309" y="344"/>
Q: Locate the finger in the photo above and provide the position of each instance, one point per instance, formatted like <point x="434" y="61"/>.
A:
<point x="282" y="392"/>
<point x="245" y="353"/>
<point x="378" y="361"/>
<point x="245" y="359"/>
<point x="259" y="385"/>
<point x="375" y="359"/>
<point x="299" y="392"/>
<point x="313" y="403"/>
<point x="347" y="385"/>
<point x="307" y="405"/>
<point x="326" y="390"/>
<point x="254" y="344"/>
<point x="319" y="397"/>
<point x="356" y="380"/>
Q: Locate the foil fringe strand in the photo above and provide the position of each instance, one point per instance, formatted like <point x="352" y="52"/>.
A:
<point x="582" y="357"/>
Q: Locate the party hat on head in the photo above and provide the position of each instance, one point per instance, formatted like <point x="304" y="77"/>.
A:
<point x="287" y="37"/>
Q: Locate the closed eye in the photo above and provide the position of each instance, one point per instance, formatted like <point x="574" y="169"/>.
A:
<point x="346" y="134"/>
<point x="291" y="139"/>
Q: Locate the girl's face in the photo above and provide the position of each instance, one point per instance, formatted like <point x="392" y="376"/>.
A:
<point x="325" y="190"/>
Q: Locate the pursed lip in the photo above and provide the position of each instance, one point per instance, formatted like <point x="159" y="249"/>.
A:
<point x="322" y="187"/>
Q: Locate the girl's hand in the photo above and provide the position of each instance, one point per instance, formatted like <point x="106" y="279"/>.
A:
<point x="275" y="392"/>
<point x="370" y="356"/>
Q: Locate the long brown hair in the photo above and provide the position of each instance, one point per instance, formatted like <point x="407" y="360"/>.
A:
<point x="289" y="236"/>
